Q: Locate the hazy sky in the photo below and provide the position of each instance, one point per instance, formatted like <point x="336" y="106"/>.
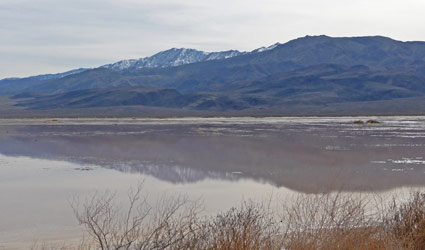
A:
<point x="47" y="36"/>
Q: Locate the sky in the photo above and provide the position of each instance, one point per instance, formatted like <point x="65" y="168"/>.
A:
<point x="50" y="36"/>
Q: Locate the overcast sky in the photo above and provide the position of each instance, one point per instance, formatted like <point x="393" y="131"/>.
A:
<point x="49" y="36"/>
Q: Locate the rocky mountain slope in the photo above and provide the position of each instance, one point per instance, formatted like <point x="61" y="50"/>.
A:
<point x="171" y="58"/>
<point x="317" y="70"/>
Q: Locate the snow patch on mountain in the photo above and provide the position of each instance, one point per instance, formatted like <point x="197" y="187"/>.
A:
<point x="176" y="57"/>
<point x="170" y="58"/>
<point x="262" y="49"/>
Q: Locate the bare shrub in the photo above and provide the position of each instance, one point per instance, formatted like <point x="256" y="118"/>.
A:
<point x="320" y="221"/>
<point x="141" y="226"/>
<point x="249" y="226"/>
<point x="405" y="222"/>
<point x="330" y="221"/>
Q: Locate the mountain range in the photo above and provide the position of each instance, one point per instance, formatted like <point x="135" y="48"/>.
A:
<point x="170" y="58"/>
<point x="163" y="59"/>
<point x="375" y="73"/>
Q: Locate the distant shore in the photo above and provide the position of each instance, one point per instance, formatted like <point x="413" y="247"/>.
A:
<point x="386" y="108"/>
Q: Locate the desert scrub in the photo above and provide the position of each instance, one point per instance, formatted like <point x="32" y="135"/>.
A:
<point x="405" y="222"/>
<point x="167" y="225"/>
<point x="249" y="226"/>
<point x="369" y="122"/>
<point x="320" y="221"/>
<point x="372" y="122"/>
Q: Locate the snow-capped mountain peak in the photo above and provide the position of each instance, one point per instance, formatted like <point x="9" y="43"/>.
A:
<point x="178" y="56"/>
<point x="172" y="57"/>
<point x="163" y="59"/>
<point x="262" y="49"/>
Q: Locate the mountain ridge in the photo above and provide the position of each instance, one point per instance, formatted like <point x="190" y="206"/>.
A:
<point x="152" y="61"/>
<point x="170" y="58"/>
<point x="312" y="70"/>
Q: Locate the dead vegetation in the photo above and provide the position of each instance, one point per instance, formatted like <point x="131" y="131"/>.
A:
<point x="405" y="223"/>
<point x="166" y="225"/>
<point x="369" y="122"/>
<point x="331" y="221"/>
<point x="321" y="221"/>
<point x="251" y="226"/>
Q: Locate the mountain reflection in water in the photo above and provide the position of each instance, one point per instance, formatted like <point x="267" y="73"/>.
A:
<point x="303" y="154"/>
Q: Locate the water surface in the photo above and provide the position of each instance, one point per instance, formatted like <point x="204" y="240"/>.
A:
<point x="44" y="162"/>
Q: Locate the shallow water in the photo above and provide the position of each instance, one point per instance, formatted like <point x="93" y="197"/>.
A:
<point x="46" y="162"/>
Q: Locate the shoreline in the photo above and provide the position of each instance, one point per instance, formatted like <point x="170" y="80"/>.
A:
<point x="202" y="117"/>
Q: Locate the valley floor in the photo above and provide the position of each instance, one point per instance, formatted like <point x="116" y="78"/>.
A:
<point x="407" y="106"/>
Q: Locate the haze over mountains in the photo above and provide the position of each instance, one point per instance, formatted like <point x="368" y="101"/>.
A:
<point x="312" y="74"/>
